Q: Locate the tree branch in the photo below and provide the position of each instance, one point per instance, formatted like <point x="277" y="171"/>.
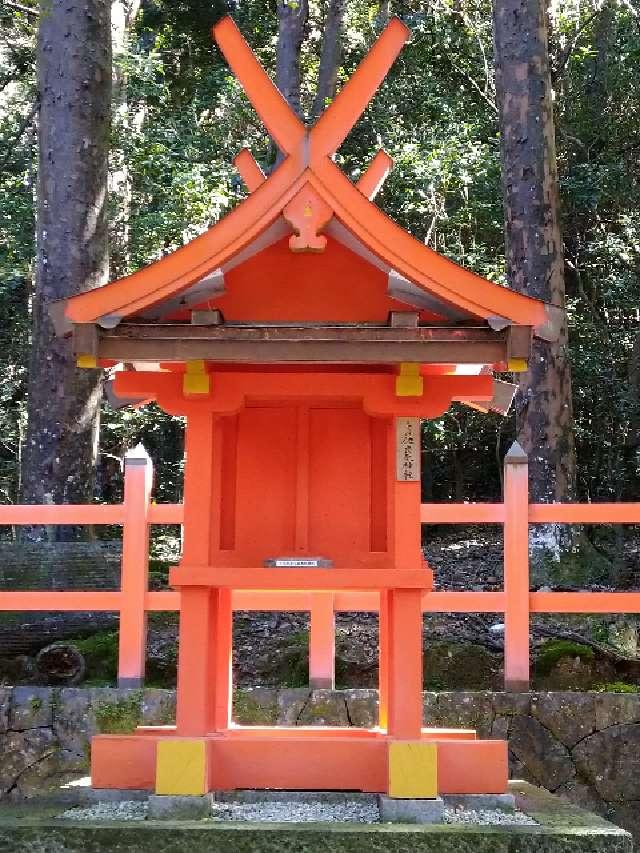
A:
<point x="20" y="8"/>
<point x="24" y="124"/>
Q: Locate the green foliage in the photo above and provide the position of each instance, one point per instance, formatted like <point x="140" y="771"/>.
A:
<point x="617" y="687"/>
<point x="553" y="651"/>
<point x="119" y="717"/>
<point x="101" y="657"/>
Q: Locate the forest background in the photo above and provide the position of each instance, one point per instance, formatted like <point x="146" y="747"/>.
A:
<point x="179" y="117"/>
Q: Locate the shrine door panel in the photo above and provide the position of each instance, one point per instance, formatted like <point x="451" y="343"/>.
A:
<point x="265" y="484"/>
<point x="339" y="482"/>
<point x="298" y="479"/>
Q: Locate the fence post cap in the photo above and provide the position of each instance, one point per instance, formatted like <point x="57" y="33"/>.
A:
<point x="137" y="456"/>
<point x="516" y="455"/>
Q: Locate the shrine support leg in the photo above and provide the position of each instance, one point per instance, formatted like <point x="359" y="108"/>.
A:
<point x="322" y="644"/>
<point x="204" y="661"/>
<point x="400" y="623"/>
<point x="204" y="657"/>
<point x="401" y="663"/>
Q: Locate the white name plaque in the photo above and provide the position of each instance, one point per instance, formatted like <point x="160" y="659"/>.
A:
<point x="408" y="450"/>
<point x="287" y="562"/>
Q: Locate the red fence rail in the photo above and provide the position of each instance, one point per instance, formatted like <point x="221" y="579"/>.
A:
<point x="516" y="602"/>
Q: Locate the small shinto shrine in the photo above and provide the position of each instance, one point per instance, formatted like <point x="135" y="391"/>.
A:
<point x="302" y="338"/>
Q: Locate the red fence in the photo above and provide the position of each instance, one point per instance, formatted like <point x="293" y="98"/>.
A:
<point x="516" y="602"/>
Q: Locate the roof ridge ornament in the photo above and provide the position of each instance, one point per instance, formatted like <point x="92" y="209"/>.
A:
<point x="335" y="122"/>
<point x="307" y="213"/>
<point x="307" y="172"/>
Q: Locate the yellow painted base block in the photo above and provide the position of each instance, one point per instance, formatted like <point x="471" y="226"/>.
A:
<point x="413" y="769"/>
<point x="181" y="767"/>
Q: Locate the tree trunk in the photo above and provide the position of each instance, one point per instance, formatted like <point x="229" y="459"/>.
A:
<point x="534" y="251"/>
<point x="329" y="57"/>
<point x="292" y="20"/>
<point x="74" y="79"/>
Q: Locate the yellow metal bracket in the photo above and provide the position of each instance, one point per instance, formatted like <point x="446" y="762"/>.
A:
<point x="86" y="361"/>
<point x="409" y="382"/>
<point x="196" y="380"/>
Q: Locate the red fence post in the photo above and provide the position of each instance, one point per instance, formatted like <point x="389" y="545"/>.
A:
<point x="134" y="579"/>
<point x="516" y="570"/>
<point x="322" y="641"/>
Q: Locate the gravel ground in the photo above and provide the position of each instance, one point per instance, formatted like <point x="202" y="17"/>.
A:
<point x="488" y="817"/>
<point x="298" y="812"/>
<point x="287" y="811"/>
<point x="124" y="810"/>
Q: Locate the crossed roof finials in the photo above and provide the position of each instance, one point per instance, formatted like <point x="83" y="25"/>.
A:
<point x="309" y="190"/>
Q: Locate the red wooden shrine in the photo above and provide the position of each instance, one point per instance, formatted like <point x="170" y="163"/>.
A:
<point x="302" y="338"/>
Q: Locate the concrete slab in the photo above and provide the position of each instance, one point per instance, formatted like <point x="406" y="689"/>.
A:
<point x="504" y="802"/>
<point x="562" y="828"/>
<point x="393" y="810"/>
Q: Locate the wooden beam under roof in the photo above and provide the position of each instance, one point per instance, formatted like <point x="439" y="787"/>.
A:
<point x="324" y="344"/>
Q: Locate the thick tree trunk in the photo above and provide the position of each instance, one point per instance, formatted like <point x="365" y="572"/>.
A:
<point x="329" y="57"/>
<point x="534" y="252"/>
<point x="74" y="78"/>
<point x="292" y="20"/>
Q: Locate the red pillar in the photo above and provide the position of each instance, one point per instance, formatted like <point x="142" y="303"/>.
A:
<point x="204" y="655"/>
<point x="401" y="609"/>
<point x="322" y="641"/>
<point x="516" y="570"/>
<point x="134" y="584"/>
<point x="403" y="640"/>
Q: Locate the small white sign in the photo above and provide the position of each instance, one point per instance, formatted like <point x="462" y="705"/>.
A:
<point x="408" y="449"/>
<point x="298" y="564"/>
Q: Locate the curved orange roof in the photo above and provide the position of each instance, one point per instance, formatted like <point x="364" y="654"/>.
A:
<point x="309" y="189"/>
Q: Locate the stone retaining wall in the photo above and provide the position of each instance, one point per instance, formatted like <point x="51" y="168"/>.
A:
<point x="583" y="746"/>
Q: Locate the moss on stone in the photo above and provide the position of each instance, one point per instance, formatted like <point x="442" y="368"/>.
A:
<point x="248" y="710"/>
<point x="553" y="651"/>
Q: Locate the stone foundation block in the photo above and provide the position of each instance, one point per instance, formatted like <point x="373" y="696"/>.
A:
<point x="178" y="808"/>
<point x="410" y="811"/>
